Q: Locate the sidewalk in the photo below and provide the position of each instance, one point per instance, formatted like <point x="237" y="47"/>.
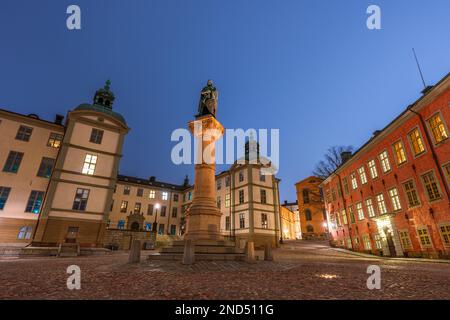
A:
<point x="365" y="255"/>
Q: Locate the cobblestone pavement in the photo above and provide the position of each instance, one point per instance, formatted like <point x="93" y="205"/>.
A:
<point x="302" y="270"/>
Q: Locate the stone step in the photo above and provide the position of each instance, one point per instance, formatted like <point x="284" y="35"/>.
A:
<point x="204" y="249"/>
<point x="198" y="257"/>
<point x="221" y="243"/>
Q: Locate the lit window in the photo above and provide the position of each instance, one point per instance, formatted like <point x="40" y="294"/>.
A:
<point x="264" y="221"/>
<point x="349" y="243"/>
<point x="416" y="142"/>
<point x="45" y="169"/>
<point x="404" y="238"/>
<point x="124" y="206"/>
<point x="373" y="169"/>
<point x="366" y="242"/>
<point x="4" y="194"/>
<point x="381" y="204"/>
<point x="81" y="198"/>
<point x="438" y="128"/>
<point x="356" y="241"/>
<point x="13" y="161"/>
<point x="384" y="160"/>
<point x="370" y="209"/>
<point x="54" y="140"/>
<point x="137" y="208"/>
<point x="152" y="194"/>
<point x="24" y="133"/>
<point x="90" y="162"/>
<point x="362" y="175"/>
<point x="354" y="181"/>
<point x="344" y="216"/>
<point x="96" y="136"/>
<point x="352" y="214"/>
<point x="424" y="237"/>
<point x="227" y="200"/>
<point x="399" y="152"/>
<point x="165" y="196"/>
<point x="445" y="233"/>
<point x="395" y="199"/>
<point x="411" y="194"/>
<point x="360" y="211"/>
<point x="430" y="184"/>
<point x="35" y="202"/>
<point x="25" y="233"/>
<point x="378" y="241"/>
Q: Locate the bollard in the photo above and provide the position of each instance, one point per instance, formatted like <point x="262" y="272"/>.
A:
<point x="268" y="255"/>
<point x="135" y="252"/>
<point x="251" y="252"/>
<point x="189" y="252"/>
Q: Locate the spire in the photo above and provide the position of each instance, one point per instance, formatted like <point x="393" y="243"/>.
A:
<point x="104" y="97"/>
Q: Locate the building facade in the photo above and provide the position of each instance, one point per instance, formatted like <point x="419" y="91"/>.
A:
<point x="392" y="196"/>
<point x="313" y="219"/>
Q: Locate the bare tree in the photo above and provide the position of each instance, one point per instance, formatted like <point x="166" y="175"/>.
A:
<point x="332" y="160"/>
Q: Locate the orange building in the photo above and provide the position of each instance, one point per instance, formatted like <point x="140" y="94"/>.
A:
<point x="392" y="196"/>
<point x="313" y="220"/>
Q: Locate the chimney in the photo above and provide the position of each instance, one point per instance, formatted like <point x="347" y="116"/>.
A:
<point x="152" y="179"/>
<point x="345" y="156"/>
<point x="59" y="119"/>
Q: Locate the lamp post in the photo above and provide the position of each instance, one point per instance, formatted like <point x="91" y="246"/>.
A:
<point x="155" y="224"/>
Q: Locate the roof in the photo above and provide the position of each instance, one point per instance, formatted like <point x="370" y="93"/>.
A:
<point x="153" y="183"/>
<point x="309" y="178"/>
<point x="32" y="116"/>
<point x="102" y="109"/>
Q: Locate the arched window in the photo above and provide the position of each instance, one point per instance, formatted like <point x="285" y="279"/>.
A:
<point x="308" y="215"/>
<point x="309" y="228"/>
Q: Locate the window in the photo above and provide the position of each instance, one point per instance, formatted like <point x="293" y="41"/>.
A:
<point x="174" y="212"/>
<point x="163" y="211"/>
<point x="353" y="180"/>
<point x="25" y="233"/>
<point x="227" y="181"/>
<point x="429" y="182"/>
<point x="360" y="211"/>
<point x="373" y="169"/>
<point x="139" y="192"/>
<point x="227" y="223"/>
<point x="416" y="142"/>
<point x="264" y="221"/>
<point x="150" y="209"/>
<point x="81" y="198"/>
<point x="241" y="176"/>
<point x="4" y="194"/>
<point x="345" y="182"/>
<point x="152" y="194"/>
<point x="384" y="160"/>
<point x="352" y="214"/>
<point x="96" y="136"/>
<point x="24" y="133"/>
<point x="90" y="162"/>
<point x="175" y="198"/>
<point x="399" y="152"/>
<point x="148" y="226"/>
<point x="378" y="241"/>
<point x="437" y="128"/>
<point x="124" y="206"/>
<point x="34" y="202"/>
<point x="54" y="140"/>
<point x="219" y="184"/>
<point x="219" y="202"/>
<point x="349" y="243"/>
<point x="370" y="209"/>
<point x="445" y="233"/>
<point x="447" y="173"/>
<point x="339" y="189"/>
<point x="305" y="196"/>
<point x="381" y="204"/>
<point x="366" y="242"/>
<point x="333" y="194"/>
<point x="404" y="238"/>
<point x="241" y="220"/>
<point x="126" y="190"/>
<point x="13" y="161"/>
<point x="137" y="208"/>
<point x="241" y="196"/>
<point x="411" y="194"/>
<point x="263" y="196"/>
<point x="344" y="216"/>
<point x="338" y="220"/>
<point x="161" y="228"/>
<point x="45" y="169"/>
<point x="227" y="200"/>
<point x="356" y="241"/>
<point x="395" y="199"/>
<point x="173" y="229"/>
<point x="424" y="237"/>
<point x="189" y="195"/>
<point x="121" y="224"/>
<point x="308" y="215"/>
<point x="362" y="175"/>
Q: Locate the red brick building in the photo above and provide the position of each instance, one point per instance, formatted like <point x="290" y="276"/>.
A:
<point x="391" y="197"/>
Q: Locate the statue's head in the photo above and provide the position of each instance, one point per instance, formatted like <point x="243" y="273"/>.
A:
<point x="209" y="83"/>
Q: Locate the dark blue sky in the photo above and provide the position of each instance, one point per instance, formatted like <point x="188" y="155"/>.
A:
<point x="310" y="68"/>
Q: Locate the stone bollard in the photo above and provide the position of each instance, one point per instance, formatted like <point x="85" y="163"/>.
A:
<point x="268" y="255"/>
<point x="189" y="252"/>
<point x="251" y="252"/>
<point x="135" y="252"/>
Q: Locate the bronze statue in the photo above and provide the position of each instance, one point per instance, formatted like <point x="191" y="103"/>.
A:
<point x="208" y="100"/>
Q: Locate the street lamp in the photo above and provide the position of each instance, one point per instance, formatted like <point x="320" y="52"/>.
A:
<point x="155" y="224"/>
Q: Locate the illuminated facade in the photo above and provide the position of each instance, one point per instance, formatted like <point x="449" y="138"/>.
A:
<point x="392" y="196"/>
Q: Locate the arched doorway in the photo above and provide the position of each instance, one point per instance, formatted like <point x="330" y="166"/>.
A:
<point x="135" y="226"/>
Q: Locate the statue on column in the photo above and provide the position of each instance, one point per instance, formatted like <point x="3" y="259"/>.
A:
<point x="208" y="100"/>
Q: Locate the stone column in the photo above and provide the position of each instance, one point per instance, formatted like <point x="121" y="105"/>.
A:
<point x="203" y="216"/>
